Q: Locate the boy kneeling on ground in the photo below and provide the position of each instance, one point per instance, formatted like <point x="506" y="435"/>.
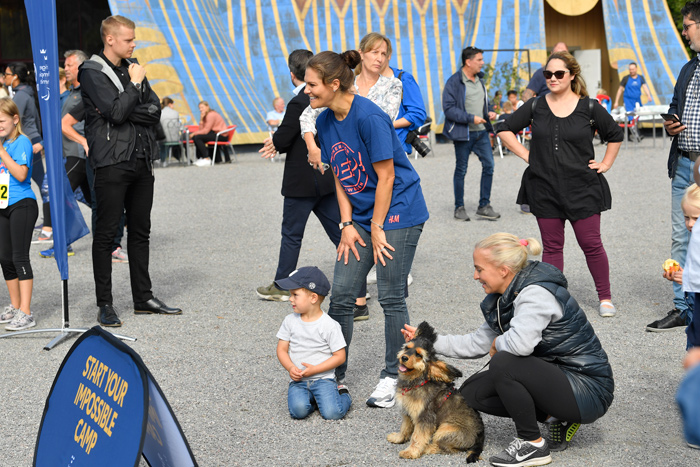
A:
<point x="310" y="347"/>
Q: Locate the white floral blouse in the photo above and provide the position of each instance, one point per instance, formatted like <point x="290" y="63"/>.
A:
<point x="386" y="93"/>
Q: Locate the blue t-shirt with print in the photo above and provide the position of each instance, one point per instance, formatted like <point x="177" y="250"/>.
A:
<point x="352" y="145"/>
<point x="20" y="149"/>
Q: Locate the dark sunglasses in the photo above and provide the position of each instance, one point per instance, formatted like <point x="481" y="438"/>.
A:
<point x="559" y="74"/>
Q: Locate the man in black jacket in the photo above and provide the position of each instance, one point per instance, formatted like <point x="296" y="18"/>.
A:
<point x="121" y="112"/>
<point x="305" y="190"/>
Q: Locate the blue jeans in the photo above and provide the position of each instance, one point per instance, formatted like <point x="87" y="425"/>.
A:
<point x="304" y="396"/>
<point x="481" y="146"/>
<point x="391" y="280"/>
<point x="294" y="218"/>
<point x="680" y="235"/>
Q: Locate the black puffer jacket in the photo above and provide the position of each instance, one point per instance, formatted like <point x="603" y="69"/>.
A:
<point x="570" y="343"/>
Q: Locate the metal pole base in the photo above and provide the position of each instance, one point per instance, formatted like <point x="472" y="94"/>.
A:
<point x="65" y="333"/>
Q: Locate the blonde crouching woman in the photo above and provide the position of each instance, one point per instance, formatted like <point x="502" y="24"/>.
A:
<point x="547" y="363"/>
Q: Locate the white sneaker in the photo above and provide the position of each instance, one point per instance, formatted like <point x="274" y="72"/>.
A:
<point x="21" y="321"/>
<point x="409" y="280"/>
<point x="202" y="162"/>
<point x="384" y="395"/>
<point x="607" y="309"/>
<point x="372" y="276"/>
<point x="8" y="314"/>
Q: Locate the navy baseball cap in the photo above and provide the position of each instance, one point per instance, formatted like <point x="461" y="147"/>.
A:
<point x="309" y="277"/>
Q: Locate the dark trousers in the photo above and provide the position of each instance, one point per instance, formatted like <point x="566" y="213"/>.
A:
<point x="16" y="227"/>
<point x="294" y="217"/>
<point x="526" y="389"/>
<point x="119" y="234"/>
<point x="588" y="236"/>
<point x="200" y="142"/>
<point x="116" y="190"/>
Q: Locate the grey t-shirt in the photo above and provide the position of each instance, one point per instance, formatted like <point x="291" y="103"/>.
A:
<point x="474" y="100"/>
<point x="71" y="148"/>
<point x="311" y="342"/>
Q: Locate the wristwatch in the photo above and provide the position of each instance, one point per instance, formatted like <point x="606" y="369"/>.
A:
<point x="137" y="85"/>
<point x="342" y="225"/>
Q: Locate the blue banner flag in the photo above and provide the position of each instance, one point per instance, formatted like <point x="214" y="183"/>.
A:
<point x="66" y="218"/>
<point x="106" y="409"/>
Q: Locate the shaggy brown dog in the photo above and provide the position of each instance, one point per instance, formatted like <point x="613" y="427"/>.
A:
<point x="436" y="418"/>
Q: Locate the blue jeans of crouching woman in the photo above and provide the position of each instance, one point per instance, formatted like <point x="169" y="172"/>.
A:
<point x="391" y="280"/>
<point x="305" y="396"/>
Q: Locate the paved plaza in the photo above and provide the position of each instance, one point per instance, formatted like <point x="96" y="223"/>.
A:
<point x="215" y="238"/>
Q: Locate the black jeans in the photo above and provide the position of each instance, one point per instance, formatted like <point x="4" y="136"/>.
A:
<point x="116" y="190"/>
<point x="16" y="227"/>
<point x="93" y="205"/>
<point x="200" y="142"/>
<point x="526" y="389"/>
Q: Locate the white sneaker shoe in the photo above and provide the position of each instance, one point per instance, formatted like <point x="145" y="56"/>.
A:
<point x="384" y="396"/>
<point x="8" y="314"/>
<point x="372" y="276"/>
<point x="409" y="280"/>
<point x="607" y="309"/>
<point x="202" y="162"/>
<point x="21" y="321"/>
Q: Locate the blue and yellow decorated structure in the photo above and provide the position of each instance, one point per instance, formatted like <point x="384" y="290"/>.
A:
<point x="233" y="53"/>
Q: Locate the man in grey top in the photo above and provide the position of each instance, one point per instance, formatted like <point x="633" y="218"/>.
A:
<point x="74" y="149"/>
<point x="467" y="124"/>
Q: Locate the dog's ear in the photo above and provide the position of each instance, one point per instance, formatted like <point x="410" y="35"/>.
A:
<point x="426" y="331"/>
<point x="441" y="371"/>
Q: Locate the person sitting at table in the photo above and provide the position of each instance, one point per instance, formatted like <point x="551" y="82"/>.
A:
<point x="210" y="124"/>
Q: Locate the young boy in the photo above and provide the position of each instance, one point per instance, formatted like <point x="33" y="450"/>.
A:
<point x="310" y="347"/>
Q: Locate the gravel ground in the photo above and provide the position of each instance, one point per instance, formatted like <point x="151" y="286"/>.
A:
<point x="216" y="238"/>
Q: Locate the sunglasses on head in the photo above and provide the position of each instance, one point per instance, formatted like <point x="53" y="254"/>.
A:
<point x="559" y="74"/>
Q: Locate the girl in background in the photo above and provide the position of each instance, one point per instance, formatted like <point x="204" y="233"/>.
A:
<point x="18" y="212"/>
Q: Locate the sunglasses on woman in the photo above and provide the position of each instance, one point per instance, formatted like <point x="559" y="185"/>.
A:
<point x="558" y="74"/>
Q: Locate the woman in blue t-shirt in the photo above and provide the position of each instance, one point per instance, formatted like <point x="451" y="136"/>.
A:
<point x="18" y="212"/>
<point x="382" y="209"/>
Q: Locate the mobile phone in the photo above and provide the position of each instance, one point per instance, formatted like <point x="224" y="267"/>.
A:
<point x="670" y="117"/>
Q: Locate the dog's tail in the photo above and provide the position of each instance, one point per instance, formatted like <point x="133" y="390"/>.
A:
<point x="474" y="453"/>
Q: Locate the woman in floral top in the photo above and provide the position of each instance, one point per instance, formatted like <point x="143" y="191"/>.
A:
<point x="382" y="90"/>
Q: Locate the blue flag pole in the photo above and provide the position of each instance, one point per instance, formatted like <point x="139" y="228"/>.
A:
<point x="66" y="218"/>
<point x="68" y="223"/>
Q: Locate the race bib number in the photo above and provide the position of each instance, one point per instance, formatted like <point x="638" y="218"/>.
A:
<point x="4" y="189"/>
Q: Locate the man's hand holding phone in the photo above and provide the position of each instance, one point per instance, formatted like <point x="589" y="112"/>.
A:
<point x="672" y="124"/>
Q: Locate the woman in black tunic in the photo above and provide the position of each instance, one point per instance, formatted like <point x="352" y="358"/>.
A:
<point x="563" y="180"/>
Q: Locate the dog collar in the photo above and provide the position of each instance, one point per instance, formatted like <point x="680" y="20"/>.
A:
<point x="444" y="399"/>
<point x="405" y="390"/>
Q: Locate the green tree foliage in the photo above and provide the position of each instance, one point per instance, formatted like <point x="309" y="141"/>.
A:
<point x="504" y="77"/>
<point x="675" y="7"/>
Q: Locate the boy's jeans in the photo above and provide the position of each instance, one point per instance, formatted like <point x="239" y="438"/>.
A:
<point x="304" y="396"/>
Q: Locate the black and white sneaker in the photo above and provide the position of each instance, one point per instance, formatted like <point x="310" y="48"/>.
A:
<point x="522" y="453"/>
<point x="360" y="313"/>
<point x="384" y="395"/>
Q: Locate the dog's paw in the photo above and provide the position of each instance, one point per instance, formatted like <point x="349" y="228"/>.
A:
<point x="410" y="453"/>
<point x="395" y="438"/>
<point x="433" y="448"/>
<point x="472" y="457"/>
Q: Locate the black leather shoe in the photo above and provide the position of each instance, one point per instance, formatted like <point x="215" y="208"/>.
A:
<point x="668" y="323"/>
<point x="106" y="316"/>
<point x="155" y="306"/>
